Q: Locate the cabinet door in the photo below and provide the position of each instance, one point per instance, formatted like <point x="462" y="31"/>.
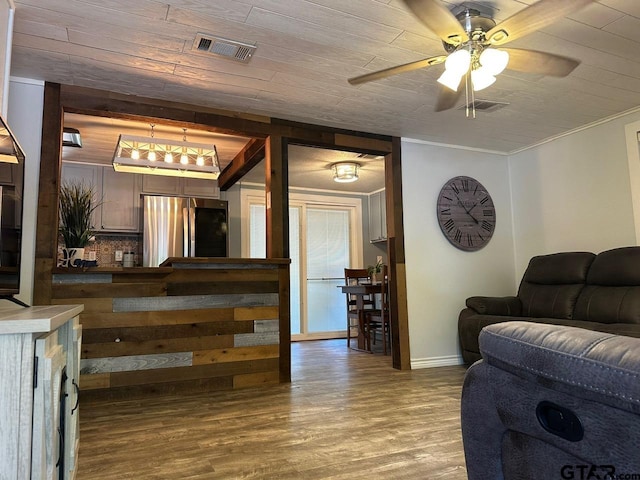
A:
<point x="197" y="187"/>
<point x="47" y="460"/>
<point x="383" y="215"/>
<point x="377" y="217"/>
<point x="120" y="201"/>
<point x="375" y="231"/>
<point x="89" y="175"/>
<point x="71" y="337"/>
<point x="161" y="185"/>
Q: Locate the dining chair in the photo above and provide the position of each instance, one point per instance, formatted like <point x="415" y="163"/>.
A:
<point x="378" y="319"/>
<point x="354" y="276"/>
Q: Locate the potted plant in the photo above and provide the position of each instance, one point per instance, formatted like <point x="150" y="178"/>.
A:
<point x="77" y="204"/>
<point x="374" y="269"/>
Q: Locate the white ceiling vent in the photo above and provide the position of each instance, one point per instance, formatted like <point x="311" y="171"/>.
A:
<point x="223" y="47"/>
<point x="484" y="105"/>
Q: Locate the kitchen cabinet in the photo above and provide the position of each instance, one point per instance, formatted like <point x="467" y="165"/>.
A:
<point x="377" y="217"/>
<point x="120" y="209"/>
<point x="39" y="374"/>
<point x="118" y="192"/>
<point x="157" y="184"/>
<point x="176" y="186"/>
<point x="87" y="175"/>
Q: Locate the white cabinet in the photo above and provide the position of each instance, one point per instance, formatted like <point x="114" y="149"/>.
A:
<point x="119" y="194"/>
<point x="377" y="217"/>
<point x="89" y="175"/>
<point x="197" y="187"/>
<point x="188" y="187"/>
<point x="120" y="210"/>
<point x="39" y="372"/>
<point x="157" y="184"/>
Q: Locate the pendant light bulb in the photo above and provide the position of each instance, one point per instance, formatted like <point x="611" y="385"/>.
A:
<point x="168" y="157"/>
<point x="135" y="153"/>
<point x="152" y="153"/>
<point x="184" y="158"/>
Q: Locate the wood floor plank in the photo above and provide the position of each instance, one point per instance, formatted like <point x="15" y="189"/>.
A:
<point x="345" y="415"/>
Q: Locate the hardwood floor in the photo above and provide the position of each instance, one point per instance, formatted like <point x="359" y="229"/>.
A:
<point x="346" y="415"/>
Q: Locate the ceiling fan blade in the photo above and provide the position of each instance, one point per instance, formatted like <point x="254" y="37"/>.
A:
<point x="447" y="98"/>
<point x="438" y="19"/>
<point x="532" y="61"/>
<point x="407" y="67"/>
<point x="532" y="18"/>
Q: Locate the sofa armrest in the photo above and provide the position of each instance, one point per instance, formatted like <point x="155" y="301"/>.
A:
<point x="596" y="366"/>
<point x="495" y="305"/>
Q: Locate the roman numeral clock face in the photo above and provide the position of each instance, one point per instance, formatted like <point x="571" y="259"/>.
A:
<point x="466" y="213"/>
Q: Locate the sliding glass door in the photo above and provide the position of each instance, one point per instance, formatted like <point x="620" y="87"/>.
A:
<point x="325" y="237"/>
<point x="328" y="243"/>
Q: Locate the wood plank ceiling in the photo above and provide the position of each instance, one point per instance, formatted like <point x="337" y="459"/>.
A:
<point x="306" y="50"/>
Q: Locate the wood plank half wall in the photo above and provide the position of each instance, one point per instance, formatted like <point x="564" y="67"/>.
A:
<point x="189" y="327"/>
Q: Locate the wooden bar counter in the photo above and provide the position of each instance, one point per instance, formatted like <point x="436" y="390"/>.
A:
<point x="192" y="324"/>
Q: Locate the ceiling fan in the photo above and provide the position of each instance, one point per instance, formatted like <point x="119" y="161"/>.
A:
<point x="470" y="38"/>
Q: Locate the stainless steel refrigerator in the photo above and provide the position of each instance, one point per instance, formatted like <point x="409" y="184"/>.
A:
<point x="183" y="227"/>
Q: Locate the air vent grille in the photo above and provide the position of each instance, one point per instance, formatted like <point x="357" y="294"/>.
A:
<point x="484" y="105"/>
<point x="223" y="47"/>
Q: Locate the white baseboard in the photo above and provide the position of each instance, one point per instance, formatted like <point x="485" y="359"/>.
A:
<point x="447" y="361"/>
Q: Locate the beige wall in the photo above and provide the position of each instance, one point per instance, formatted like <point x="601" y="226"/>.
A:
<point x="573" y="193"/>
<point x="439" y="276"/>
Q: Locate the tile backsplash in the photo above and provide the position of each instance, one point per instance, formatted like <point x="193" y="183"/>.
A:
<point x="105" y="247"/>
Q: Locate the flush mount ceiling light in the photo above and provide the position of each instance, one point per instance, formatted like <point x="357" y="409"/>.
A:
<point x="345" y="172"/>
<point x="155" y="156"/>
<point x="10" y="150"/>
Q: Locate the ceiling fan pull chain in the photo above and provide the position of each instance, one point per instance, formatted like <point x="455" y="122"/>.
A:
<point x="473" y="102"/>
<point x="466" y="93"/>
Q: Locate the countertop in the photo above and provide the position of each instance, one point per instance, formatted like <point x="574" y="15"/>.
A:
<point x="41" y="319"/>
<point x="167" y="265"/>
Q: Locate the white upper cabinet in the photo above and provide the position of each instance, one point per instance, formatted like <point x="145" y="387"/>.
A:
<point x="377" y="217"/>
<point x="119" y="194"/>
<point x="188" y="187"/>
<point x="89" y="175"/>
<point x="120" y="201"/>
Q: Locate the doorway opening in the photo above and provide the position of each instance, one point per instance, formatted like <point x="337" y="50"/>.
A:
<point x="325" y="235"/>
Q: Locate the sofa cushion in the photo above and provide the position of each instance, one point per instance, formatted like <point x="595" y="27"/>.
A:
<point x="552" y="283"/>
<point x="559" y="268"/>
<point x="609" y="304"/>
<point x="616" y="268"/>
<point x="612" y="293"/>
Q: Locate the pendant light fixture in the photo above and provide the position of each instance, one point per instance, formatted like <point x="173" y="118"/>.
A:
<point x="154" y="156"/>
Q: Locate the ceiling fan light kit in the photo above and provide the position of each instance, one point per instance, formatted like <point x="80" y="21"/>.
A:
<point x="469" y="38"/>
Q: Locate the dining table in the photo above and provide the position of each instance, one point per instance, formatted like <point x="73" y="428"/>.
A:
<point x="361" y="291"/>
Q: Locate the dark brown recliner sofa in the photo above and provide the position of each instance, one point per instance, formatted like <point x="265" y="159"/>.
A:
<point x="577" y="289"/>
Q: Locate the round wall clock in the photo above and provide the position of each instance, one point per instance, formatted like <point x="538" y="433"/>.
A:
<point x="466" y="213"/>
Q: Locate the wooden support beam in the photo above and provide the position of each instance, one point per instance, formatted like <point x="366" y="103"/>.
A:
<point x="49" y="186"/>
<point x="243" y="162"/>
<point x="396" y="258"/>
<point x="277" y="193"/>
